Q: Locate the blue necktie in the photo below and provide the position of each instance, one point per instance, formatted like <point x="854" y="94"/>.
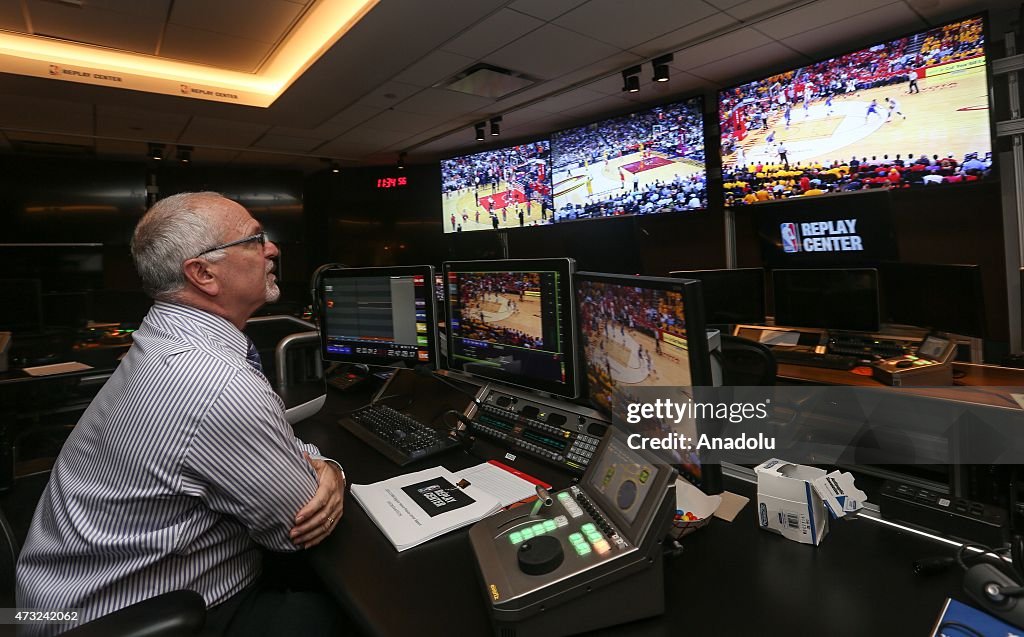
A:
<point x="253" y="356"/>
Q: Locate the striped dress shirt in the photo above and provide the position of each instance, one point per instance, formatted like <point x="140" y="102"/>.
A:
<point x="181" y="468"/>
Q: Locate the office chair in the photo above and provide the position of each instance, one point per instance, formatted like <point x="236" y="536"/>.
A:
<point x="173" y="614"/>
<point x="746" y="363"/>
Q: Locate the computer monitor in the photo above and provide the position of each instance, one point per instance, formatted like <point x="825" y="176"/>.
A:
<point x="512" y="321"/>
<point x="833" y="299"/>
<point x="378" y="316"/>
<point x="645" y="332"/>
<point x="730" y="296"/>
<point x="941" y="297"/>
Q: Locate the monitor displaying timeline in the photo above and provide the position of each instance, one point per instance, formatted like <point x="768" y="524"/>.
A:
<point x="731" y="296"/>
<point x="636" y="332"/>
<point x="512" y="321"/>
<point x="503" y="188"/>
<point x="647" y="162"/>
<point x="832" y="299"/>
<point x="378" y="316"/>
<point x="909" y="113"/>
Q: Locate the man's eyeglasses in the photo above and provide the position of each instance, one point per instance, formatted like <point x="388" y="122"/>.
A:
<point x="260" y="236"/>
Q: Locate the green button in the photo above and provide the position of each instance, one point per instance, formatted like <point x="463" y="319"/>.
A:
<point x="595" y="536"/>
<point x="549" y="525"/>
<point x="581" y="549"/>
<point x="576" y="538"/>
<point x="588" y="528"/>
<point x="515" y="537"/>
<point x="527" y="533"/>
<point x="563" y="495"/>
<point x="538" y="529"/>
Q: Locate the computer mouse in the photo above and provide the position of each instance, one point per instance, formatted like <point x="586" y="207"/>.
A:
<point x="904" y="364"/>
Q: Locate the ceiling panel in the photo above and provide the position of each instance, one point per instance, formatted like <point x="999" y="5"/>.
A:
<point x="286" y="143"/>
<point x="769" y="56"/>
<point x="214" y="49"/>
<point x="37" y="113"/>
<point x="569" y="100"/>
<point x="221" y="132"/>
<point x="492" y="33"/>
<point x="714" y="50"/>
<point x="150" y="9"/>
<point x="439" y="101"/>
<point x="545" y="9"/>
<point x="346" y="119"/>
<point x="815" y="15"/>
<point x="130" y="123"/>
<point x="388" y="95"/>
<point x="213" y="156"/>
<point x="898" y="18"/>
<point x="753" y="10"/>
<point x="627" y="23"/>
<point x="117" y="148"/>
<point x="434" y="67"/>
<point x="550" y="51"/>
<point x="408" y="123"/>
<point x="111" y="29"/>
<point x="264" y="21"/>
<point x="688" y="35"/>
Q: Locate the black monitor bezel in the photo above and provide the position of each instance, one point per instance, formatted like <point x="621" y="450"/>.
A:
<point x="975" y="300"/>
<point x="690" y="274"/>
<point x="391" y="271"/>
<point x="566" y="268"/>
<point x="878" y="310"/>
<point x="987" y="47"/>
<point x="692" y="298"/>
<point x="710" y="480"/>
<point x="701" y="102"/>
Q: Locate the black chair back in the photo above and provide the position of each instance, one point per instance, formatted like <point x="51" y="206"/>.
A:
<point x="746" y="363"/>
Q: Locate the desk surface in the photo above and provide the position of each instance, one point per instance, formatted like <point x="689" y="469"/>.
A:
<point x="731" y="578"/>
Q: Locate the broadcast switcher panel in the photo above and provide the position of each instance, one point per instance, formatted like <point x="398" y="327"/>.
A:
<point x="558" y="434"/>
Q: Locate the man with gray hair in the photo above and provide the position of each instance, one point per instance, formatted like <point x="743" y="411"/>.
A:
<point x="183" y="468"/>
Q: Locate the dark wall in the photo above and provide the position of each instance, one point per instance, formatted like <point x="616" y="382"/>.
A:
<point x="89" y="201"/>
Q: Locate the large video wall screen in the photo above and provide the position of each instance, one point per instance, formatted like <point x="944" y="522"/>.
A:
<point x="647" y="162"/>
<point x="910" y="113"/>
<point x="504" y="188"/>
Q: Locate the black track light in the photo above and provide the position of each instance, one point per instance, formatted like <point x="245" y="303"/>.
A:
<point x="631" y="79"/>
<point x="496" y="126"/>
<point x="660" y="65"/>
<point x="401" y="161"/>
<point x="185" y="154"/>
<point x="156" y="151"/>
<point x="480" y="132"/>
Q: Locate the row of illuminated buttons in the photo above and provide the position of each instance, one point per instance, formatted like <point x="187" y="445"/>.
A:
<point x="596" y="540"/>
<point x="540" y="528"/>
<point x="570" y="504"/>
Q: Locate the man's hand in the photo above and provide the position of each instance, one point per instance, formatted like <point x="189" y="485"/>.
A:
<point x="321" y="514"/>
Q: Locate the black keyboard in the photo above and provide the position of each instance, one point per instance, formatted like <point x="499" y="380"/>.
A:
<point x="810" y="359"/>
<point x="398" y="437"/>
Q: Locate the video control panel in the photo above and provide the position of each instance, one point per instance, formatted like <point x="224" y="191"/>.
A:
<point x="525" y="425"/>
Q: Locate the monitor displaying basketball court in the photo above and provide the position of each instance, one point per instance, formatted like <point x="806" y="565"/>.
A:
<point x="503" y="188"/>
<point x="909" y="113"/>
<point x="647" y="162"/>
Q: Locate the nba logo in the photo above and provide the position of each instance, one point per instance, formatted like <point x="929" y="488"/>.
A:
<point x="790" y="238"/>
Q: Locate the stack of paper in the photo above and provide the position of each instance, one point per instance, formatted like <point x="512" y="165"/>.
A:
<point x="416" y="507"/>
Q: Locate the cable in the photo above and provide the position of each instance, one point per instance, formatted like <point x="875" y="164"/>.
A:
<point x="964" y="628"/>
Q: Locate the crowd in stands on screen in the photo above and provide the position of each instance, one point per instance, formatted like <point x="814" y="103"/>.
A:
<point x="678" y="195"/>
<point x="523" y="164"/>
<point x="753" y="106"/>
<point x="763" y="182"/>
<point x="480" y="331"/>
<point x="610" y="310"/>
<point x="676" y="131"/>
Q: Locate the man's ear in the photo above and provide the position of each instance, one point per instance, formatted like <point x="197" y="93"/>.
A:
<point x="199" y="276"/>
